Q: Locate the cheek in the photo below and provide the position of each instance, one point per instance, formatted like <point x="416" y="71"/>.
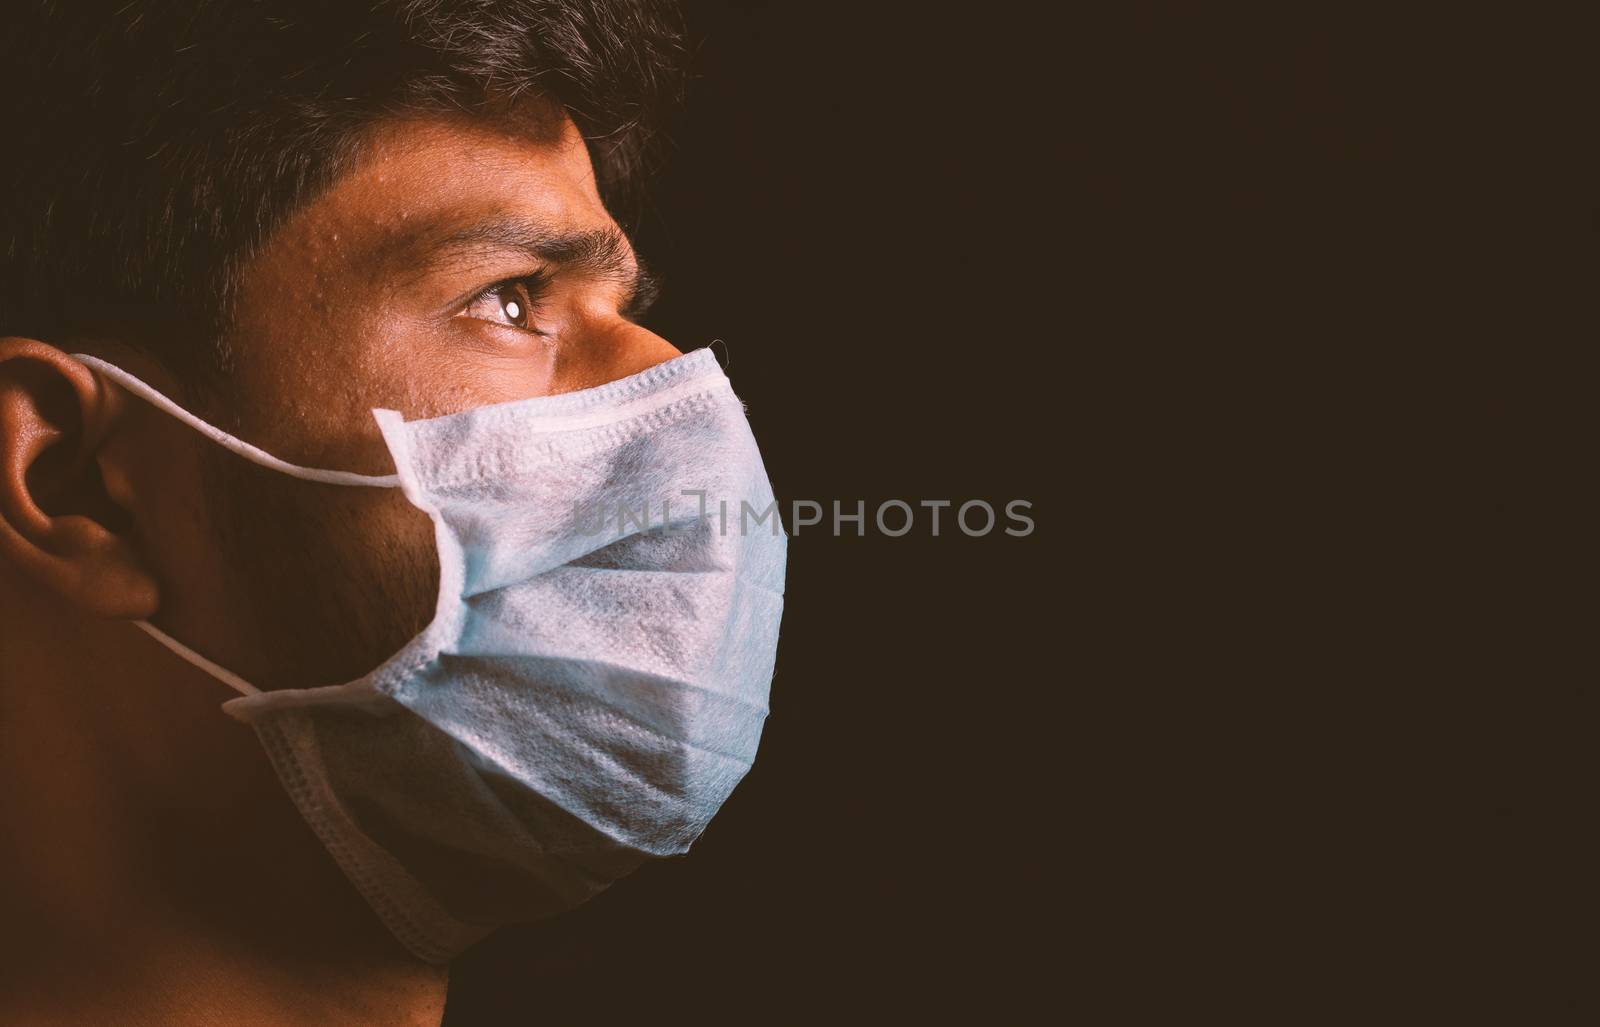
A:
<point x="329" y="581"/>
<point x="319" y="412"/>
<point x="408" y="559"/>
<point x="375" y="570"/>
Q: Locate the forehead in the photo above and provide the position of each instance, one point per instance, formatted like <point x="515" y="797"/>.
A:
<point x="408" y="179"/>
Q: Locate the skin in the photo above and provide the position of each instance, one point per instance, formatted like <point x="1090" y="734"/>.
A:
<point x="152" y="870"/>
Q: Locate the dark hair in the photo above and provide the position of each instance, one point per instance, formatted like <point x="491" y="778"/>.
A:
<point x="150" y="146"/>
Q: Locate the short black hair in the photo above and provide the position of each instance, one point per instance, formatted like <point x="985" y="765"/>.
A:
<point x="149" y="147"/>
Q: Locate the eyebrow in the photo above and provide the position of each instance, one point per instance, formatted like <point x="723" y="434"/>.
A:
<point x="601" y="252"/>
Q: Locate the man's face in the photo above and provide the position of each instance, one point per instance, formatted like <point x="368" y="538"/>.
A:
<point x="457" y="264"/>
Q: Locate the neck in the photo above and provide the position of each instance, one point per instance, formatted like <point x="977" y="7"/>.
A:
<point x="152" y="871"/>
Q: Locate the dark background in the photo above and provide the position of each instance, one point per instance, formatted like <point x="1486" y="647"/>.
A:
<point x="1227" y="297"/>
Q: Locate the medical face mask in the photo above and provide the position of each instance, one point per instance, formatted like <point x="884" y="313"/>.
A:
<point x="594" y="680"/>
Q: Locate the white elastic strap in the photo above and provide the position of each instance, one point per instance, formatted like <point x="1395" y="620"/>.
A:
<point x="223" y="439"/>
<point x="222" y="674"/>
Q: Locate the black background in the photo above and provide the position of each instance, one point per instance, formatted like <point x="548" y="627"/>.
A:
<point x="1225" y="296"/>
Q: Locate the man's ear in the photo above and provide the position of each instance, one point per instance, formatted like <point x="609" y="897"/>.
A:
<point x="61" y="526"/>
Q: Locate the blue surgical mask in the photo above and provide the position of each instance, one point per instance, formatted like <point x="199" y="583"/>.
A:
<point x="594" y="680"/>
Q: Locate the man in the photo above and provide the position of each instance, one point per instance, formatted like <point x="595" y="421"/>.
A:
<point x="280" y="216"/>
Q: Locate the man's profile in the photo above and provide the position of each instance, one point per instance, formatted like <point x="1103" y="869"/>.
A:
<point x="317" y="325"/>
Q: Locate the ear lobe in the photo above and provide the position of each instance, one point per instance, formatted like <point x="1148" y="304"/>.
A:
<point x="59" y="526"/>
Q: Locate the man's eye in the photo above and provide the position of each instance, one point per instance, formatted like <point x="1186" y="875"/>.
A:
<point x="510" y="302"/>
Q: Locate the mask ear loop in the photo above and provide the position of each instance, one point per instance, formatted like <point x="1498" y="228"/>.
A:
<point x="222" y="674"/>
<point x="228" y="442"/>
